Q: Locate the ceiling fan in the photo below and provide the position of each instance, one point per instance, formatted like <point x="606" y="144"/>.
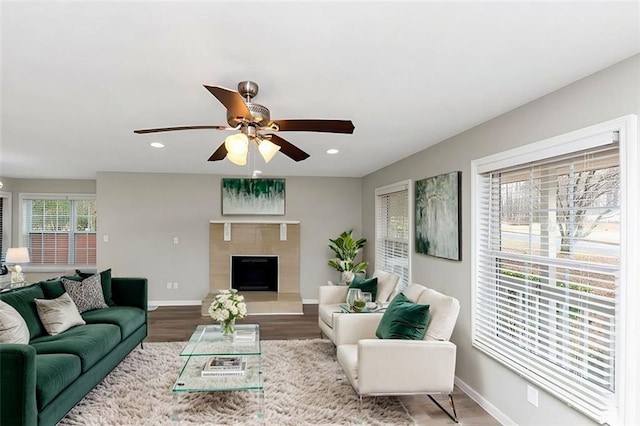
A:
<point x="253" y="121"/>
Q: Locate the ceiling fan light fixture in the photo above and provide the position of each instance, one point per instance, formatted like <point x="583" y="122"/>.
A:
<point x="239" y="159"/>
<point x="237" y="144"/>
<point x="267" y="149"/>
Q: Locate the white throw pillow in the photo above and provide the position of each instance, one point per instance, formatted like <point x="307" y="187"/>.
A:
<point x="13" y="328"/>
<point x="58" y="315"/>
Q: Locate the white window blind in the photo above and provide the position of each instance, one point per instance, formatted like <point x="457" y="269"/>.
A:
<point x="393" y="230"/>
<point x="547" y="272"/>
<point x="59" y="229"/>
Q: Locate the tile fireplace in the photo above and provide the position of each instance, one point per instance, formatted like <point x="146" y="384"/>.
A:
<point x="257" y="240"/>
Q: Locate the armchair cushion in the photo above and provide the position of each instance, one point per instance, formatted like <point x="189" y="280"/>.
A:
<point x="404" y="319"/>
<point x="444" y="313"/>
<point x="367" y="285"/>
<point x="387" y="283"/>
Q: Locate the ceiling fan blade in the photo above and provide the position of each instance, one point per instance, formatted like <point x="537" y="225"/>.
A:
<point x="170" y="129"/>
<point x="231" y="100"/>
<point x="329" y="126"/>
<point x="288" y="149"/>
<point x="219" y="154"/>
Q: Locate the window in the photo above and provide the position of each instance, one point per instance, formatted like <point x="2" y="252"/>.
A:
<point x="393" y="227"/>
<point x="5" y="223"/>
<point x="59" y="230"/>
<point x="547" y="266"/>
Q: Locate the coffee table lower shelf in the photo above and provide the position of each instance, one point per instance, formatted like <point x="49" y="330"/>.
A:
<point x="205" y="343"/>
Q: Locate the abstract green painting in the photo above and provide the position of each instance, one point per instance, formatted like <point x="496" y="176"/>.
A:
<point x="438" y="216"/>
<point x="253" y="196"/>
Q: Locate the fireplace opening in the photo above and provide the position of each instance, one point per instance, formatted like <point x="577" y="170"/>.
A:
<point x="254" y="273"/>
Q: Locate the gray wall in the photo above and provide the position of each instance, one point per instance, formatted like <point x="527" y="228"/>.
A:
<point x="142" y="213"/>
<point x="606" y="95"/>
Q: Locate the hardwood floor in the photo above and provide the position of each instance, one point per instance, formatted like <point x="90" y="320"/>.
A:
<point x="176" y="324"/>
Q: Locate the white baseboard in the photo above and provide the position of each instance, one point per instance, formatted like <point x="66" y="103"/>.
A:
<point x="174" y="302"/>
<point x="309" y="301"/>
<point x="488" y="407"/>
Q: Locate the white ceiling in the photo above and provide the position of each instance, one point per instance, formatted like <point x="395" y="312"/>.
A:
<point x="79" y="77"/>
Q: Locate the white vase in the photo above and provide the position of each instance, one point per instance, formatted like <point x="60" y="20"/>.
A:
<point x="347" y="277"/>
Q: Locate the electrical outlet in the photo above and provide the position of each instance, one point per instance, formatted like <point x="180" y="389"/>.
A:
<point x="532" y="395"/>
<point x="168" y="285"/>
<point x="105" y="238"/>
<point x="175" y="286"/>
<point x="176" y="240"/>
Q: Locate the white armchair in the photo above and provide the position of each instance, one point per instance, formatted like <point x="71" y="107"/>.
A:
<point x="330" y="297"/>
<point x="401" y="367"/>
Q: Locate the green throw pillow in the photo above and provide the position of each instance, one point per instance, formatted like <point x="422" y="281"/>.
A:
<point x="105" y="281"/>
<point x="366" y="285"/>
<point x="403" y="319"/>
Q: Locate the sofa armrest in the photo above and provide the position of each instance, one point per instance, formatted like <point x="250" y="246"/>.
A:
<point x="130" y="292"/>
<point x="18" y="385"/>
<point x="349" y="328"/>
<point x="332" y="294"/>
<point x="426" y="366"/>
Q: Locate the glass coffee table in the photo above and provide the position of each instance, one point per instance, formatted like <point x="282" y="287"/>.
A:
<point x="206" y="342"/>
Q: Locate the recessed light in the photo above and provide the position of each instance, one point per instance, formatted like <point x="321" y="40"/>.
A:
<point x="157" y="144"/>
<point x="332" y="151"/>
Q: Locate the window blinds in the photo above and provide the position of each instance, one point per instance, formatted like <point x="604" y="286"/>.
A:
<point x="393" y="230"/>
<point x="59" y="230"/>
<point x="547" y="272"/>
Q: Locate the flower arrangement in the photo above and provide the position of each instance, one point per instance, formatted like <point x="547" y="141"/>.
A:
<point x="226" y="307"/>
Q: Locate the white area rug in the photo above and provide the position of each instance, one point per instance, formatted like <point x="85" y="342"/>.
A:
<point x="303" y="385"/>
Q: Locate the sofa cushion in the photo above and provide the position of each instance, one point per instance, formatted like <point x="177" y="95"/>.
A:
<point x="387" y="283"/>
<point x="326" y="311"/>
<point x="414" y="291"/>
<point x="13" y="328"/>
<point x="444" y="314"/>
<point x="403" y="319"/>
<point x="367" y="285"/>
<point x="105" y="282"/>
<point x="59" y="314"/>
<point x="90" y="342"/>
<point x="129" y="319"/>
<point x="86" y="294"/>
<point x="22" y="300"/>
<point x="53" y="287"/>
<point x="54" y="372"/>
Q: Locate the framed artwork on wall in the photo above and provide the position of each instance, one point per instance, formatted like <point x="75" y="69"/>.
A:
<point x="438" y="232"/>
<point x="253" y="196"/>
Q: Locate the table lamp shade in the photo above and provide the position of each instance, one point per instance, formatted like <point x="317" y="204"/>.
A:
<point x="17" y="255"/>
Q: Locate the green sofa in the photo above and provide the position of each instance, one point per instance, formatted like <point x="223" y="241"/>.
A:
<point x="41" y="381"/>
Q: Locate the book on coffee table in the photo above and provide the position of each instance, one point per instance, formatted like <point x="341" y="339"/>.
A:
<point x="224" y="366"/>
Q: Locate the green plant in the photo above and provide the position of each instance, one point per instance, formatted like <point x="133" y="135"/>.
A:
<point x="346" y="249"/>
<point x="358" y="305"/>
